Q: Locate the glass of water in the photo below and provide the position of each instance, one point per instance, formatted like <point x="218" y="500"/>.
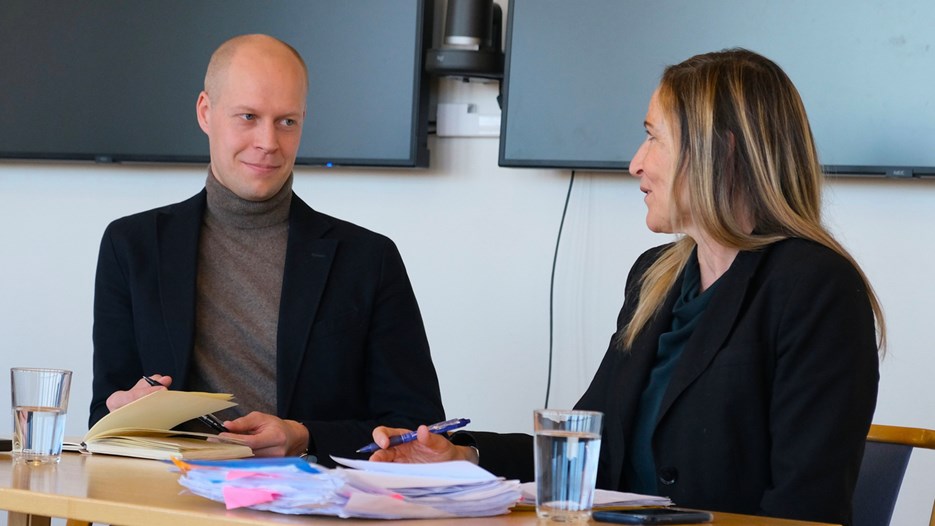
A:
<point x="40" y="403"/>
<point x="568" y="444"/>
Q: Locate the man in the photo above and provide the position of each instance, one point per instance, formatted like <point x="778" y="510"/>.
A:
<point x="309" y="320"/>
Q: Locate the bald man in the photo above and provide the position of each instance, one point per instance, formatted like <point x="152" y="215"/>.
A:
<point x="309" y="320"/>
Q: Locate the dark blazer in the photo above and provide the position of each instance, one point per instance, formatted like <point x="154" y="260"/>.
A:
<point x="770" y="403"/>
<point x="351" y="347"/>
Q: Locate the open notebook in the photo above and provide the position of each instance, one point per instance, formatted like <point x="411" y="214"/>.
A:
<point x="143" y="429"/>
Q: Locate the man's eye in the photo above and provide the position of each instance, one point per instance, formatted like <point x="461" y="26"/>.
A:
<point x="289" y="122"/>
<point x="247" y="116"/>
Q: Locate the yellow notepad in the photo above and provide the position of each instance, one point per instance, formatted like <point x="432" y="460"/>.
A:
<point x="143" y="428"/>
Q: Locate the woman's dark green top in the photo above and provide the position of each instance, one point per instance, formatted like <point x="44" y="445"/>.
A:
<point x="639" y="464"/>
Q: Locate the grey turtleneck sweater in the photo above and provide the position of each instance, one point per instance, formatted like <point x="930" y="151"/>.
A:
<point x="241" y="255"/>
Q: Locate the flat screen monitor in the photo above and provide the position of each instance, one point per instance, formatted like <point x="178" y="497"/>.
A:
<point x="117" y="80"/>
<point x="579" y="75"/>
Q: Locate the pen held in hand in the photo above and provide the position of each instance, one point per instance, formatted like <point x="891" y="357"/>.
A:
<point x="209" y="420"/>
<point x="440" y="427"/>
<point x="213" y="422"/>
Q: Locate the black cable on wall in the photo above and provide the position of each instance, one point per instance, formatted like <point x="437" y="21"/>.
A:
<point x="558" y="241"/>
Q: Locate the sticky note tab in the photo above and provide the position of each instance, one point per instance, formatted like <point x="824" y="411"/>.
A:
<point x="237" y="474"/>
<point x="245" y="497"/>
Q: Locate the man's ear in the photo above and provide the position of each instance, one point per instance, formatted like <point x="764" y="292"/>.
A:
<point x="203" y="110"/>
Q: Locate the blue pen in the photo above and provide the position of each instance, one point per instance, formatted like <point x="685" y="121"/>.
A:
<point x="441" y="427"/>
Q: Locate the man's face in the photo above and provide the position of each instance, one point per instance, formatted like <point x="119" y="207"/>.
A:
<point x="254" y="122"/>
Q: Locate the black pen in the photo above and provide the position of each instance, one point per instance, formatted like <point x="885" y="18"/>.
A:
<point x="208" y="419"/>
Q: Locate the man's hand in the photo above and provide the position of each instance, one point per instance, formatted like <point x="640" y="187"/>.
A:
<point x="428" y="447"/>
<point x="118" y="399"/>
<point x="268" y="435"/>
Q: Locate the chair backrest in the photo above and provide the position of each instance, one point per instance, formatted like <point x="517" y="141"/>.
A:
<point x="886" y="457"/>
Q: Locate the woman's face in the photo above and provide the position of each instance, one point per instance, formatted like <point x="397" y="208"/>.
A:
<point x="654" y="165"/>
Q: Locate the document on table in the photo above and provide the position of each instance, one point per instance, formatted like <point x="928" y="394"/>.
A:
<point x="396" y="475"/>
<point x="363" y="489"/>
<point x="603" y="498"/>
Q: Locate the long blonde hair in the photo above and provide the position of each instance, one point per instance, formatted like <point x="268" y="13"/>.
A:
<point x="745" y="150"/>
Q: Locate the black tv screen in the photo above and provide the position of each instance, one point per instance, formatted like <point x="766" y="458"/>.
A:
<point x="117" y="80"/>
<point x="579" y="75"/>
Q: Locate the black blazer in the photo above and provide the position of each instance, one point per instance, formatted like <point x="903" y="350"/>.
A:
<point x="351" y="347"/>
<point x="771" y="401"/>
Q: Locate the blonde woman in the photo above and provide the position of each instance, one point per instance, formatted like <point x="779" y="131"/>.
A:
<point x="743" y="373"/>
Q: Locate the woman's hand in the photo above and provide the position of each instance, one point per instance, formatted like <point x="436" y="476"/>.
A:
<point x="428" y="447"/>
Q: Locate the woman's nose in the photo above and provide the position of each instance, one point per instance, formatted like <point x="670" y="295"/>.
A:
<point x="636" y="164"/>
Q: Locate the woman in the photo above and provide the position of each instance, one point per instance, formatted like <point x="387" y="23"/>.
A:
<point x="743" y="374"/>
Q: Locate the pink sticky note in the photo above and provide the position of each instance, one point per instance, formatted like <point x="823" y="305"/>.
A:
<point x="235" y="474"/>
<point x="244" y="497"/>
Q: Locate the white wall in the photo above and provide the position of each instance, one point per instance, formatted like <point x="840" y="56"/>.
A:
<point x="478" y="241"/>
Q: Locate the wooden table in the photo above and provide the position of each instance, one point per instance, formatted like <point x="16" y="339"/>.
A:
<point x="133" y="492"/>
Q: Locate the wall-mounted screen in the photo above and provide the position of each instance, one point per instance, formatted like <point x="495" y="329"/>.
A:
<point x="112" y="80"/>
<point x="579" y="75"/>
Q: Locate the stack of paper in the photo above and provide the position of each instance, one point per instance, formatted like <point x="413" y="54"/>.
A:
<point x="372" y="490"/>
<point x="604" y="498"/>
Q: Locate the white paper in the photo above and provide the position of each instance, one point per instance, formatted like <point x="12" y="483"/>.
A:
<point x="605" y="498"/>
<point x="397" y="475"/>
<point x="454" y="470"/>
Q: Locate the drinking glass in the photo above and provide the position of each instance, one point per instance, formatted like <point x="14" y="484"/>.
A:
<point x="568" y="445"/>
<point x="40" y="403"/>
